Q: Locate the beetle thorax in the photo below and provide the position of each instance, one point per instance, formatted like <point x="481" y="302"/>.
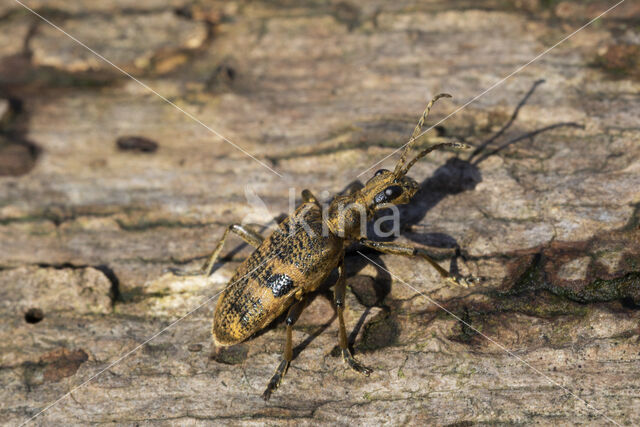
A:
<point x="347" y="216"/>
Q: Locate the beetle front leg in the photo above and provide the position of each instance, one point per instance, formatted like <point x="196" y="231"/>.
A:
<point x="292" y="317"/>
<point x="308" y="197"/>
<point x="340" y="289"/>
<point x="406" y="250"/>
<point x="245" y="233"/>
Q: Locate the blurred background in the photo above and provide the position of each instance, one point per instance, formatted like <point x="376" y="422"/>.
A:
<point x="115" y="168"/>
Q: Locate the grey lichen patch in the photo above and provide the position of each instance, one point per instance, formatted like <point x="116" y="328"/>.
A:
<point x="610" y="259"/>
<point x="575" y="269"/>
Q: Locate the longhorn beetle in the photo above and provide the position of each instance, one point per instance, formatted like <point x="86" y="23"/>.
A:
<point x="297" y="258"/>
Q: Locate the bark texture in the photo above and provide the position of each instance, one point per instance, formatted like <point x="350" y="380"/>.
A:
<point x="103" y="185"/>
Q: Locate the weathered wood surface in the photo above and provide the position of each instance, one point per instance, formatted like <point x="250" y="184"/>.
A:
<point x="319" y="92"/>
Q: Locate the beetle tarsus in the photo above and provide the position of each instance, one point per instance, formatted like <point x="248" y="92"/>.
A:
<point x="275" y="379"/>
<point x="354" y="364"/>
<point x="464" y="282"/>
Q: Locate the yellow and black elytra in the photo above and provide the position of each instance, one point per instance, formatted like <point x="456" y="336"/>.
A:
<point x="297" y="258"/>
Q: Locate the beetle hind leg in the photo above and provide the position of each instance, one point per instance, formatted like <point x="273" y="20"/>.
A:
<point x="342" y="333"/>
<point x="354" y="364"/>
<point x="281" y="370"/>
<point x="245" y="233"/>
<point x="274" y="383"/>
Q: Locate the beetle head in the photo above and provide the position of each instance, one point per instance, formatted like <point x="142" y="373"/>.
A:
<point x="396" y="187"/>
<point x="348" y="213"/>
<point x="385" y="188"/>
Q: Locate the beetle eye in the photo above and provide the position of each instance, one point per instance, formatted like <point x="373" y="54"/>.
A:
<point x="380" y="171"/>
<point x="388" y="194"/>
<point x="393" y="191"/>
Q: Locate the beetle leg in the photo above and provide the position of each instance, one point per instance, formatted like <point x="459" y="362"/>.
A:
<point x="340" y="288"/>
<point x="308" y="197"/>
<point x="406" y="250"/>
<point x="248" y="235"/>
<point x="292" y="317"/>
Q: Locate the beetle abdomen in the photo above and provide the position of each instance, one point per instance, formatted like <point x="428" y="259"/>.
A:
<point x="249" y="304"/>
<point x="236" y="315"/>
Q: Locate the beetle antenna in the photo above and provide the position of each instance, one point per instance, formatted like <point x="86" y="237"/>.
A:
<point x="458" y="145"/>
<point x="416" y="133"/>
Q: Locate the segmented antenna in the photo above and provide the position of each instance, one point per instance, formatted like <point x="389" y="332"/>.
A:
<point x="426" y="151"/>
<point x="415" y="134"/>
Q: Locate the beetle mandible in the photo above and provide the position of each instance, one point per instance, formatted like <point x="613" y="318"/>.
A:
<point x="307" y="246"/>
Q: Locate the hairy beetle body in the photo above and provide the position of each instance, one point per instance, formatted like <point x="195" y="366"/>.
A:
<point x="290" y="262"/>
<point x="299" y="256"/>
